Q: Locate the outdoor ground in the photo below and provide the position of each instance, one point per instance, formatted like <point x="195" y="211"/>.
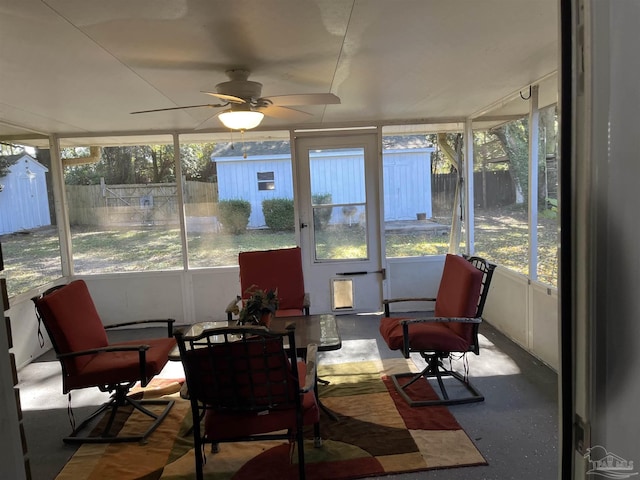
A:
<point x="33" y="258"/>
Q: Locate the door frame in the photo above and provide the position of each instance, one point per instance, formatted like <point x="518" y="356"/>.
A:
<point x="319" y="274"/>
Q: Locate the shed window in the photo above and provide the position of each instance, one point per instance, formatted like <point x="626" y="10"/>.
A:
<point x="266" y="181"/>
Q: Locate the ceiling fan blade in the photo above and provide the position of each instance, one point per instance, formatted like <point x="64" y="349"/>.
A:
<point x="304" y="99"/>
<point x="284" y="113"/>
<point x="226" y="98"/>
<point x="180" y="108"/>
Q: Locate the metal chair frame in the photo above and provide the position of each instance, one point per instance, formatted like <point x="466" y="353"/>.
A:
<point x="222" y="398"/>
<point x="435" y="367"/>
<point x="119" y="391"/>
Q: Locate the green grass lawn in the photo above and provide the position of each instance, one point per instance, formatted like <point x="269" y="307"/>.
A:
<point x="33" y="259"/>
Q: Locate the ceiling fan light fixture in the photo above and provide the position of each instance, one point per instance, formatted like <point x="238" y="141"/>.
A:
<point x="241" y="120"/>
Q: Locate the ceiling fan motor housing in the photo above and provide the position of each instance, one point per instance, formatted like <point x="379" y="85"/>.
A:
<point x="239" y="86"/>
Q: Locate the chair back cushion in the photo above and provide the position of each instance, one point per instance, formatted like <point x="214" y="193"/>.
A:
<point x="220" y="425"/>
<point x="247" y="382"/>
<point x="458" y="294"/>
<point x="275" y="269"/>
<point x="253" y="374"/>
<point x="73" y="323"/>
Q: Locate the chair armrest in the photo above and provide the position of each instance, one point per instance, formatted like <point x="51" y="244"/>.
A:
<point x="408" y="321"/>
<point x="387" y="301"/>
<point x="142" y="356"/>
<point x="233" y="308"/>
<point x="168" y="321"/>
<point x="311" y="362"/>
<point x="109" y="348"/>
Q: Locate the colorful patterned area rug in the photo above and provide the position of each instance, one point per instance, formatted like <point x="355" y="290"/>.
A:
<point x="375" y="434"/>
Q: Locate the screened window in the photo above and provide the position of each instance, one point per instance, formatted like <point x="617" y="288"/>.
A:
<point x="224" y="211"/>
<point x="502" y="197"/>
<point x="501" y="179"/>
<point x="548" y="227"/>
<point x="419" y="183"/>
<point x="123" y="208"/>
<point x="28" y="231"/>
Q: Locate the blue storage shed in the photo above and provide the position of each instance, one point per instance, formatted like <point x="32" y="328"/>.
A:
<point x="256" y="177"/>
<point x="24" y="202"/>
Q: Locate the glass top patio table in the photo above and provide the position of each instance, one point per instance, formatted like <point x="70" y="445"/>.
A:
<point x="319" y="329"/>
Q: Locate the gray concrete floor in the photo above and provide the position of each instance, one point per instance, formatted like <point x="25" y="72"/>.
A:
<point x="515" y="428"/>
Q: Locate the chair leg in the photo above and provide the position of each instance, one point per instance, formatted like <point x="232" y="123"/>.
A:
<point x="197" y="440"/>
<point x="317" y="438"/>
<point x="435" y="369"/>
<point x="300" y="441"/>
<point x="118" y="399"/>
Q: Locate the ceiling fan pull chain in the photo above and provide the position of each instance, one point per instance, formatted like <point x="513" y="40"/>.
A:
<point x="244" y="149"/>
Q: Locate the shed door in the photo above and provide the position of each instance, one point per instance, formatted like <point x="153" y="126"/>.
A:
<point x="339" y="220"/>
<point x="398" y="201"/>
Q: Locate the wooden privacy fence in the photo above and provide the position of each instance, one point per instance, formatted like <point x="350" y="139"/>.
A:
<point x="137" y="204"/>
<point x="491" y="189"/>
<point x="157" y="204"/>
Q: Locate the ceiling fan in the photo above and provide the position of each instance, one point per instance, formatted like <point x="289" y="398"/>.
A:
<point x="246" y="105"/>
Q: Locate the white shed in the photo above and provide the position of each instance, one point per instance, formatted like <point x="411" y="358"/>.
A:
<point x="24" y="203"/>
<point x="407" y="183"/>
<point x="255" y="179"/>
<point x="407" y="180"/>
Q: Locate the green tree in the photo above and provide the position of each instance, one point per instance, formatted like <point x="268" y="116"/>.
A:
<point x="196" y="161"/>
<point x="141" y="164"/>
<point x="514" y="137"/>
<point x="5" y="163"/>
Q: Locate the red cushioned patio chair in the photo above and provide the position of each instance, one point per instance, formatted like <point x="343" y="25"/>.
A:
<point x="279" y="270"/>
<point x="452" y="330"/>
<point x="89" y="360"/>
<point x="247" y="385"/>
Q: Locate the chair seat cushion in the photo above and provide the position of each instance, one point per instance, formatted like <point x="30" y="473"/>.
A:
<point x="433" y="337"/>
<point x="223" y="426"/>
<point x="109" y="368"/>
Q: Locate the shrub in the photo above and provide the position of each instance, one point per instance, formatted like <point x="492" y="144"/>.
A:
<point x="321" y="215"/>
<point x="234" y="215"/>
<point x="278" y="214"/>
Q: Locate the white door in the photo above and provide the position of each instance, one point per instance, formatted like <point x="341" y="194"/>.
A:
<point x="338" y="206"/>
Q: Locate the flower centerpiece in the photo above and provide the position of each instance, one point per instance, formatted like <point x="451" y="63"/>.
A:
<point x="258" y="306"/>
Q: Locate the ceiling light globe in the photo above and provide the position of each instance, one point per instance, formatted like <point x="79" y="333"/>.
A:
<point x="241" y="120"/>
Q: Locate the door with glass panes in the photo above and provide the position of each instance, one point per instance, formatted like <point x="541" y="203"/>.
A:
<point x="338" y="209"/>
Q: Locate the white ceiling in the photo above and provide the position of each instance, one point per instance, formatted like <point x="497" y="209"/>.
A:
<point x="79" y="67"/>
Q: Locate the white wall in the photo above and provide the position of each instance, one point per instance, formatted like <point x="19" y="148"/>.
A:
<point x="199" y="295"/>
<point x="525" y="313"/>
